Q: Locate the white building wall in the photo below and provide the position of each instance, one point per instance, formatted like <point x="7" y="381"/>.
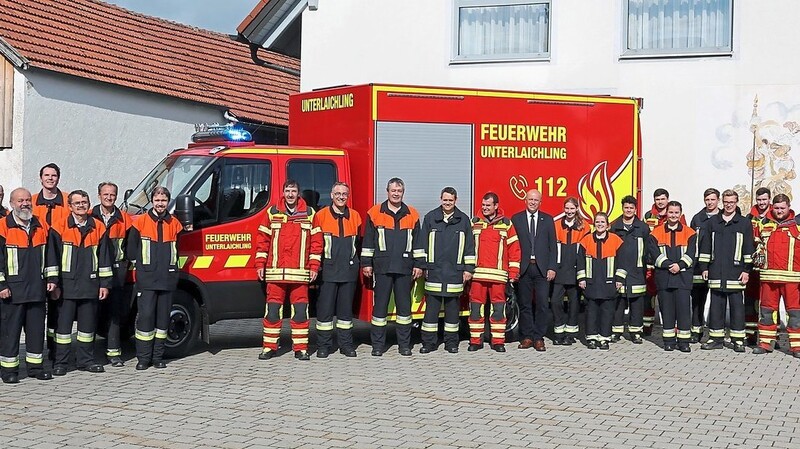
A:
<point x="696" y="120"/>
<point x="94" y="131"/>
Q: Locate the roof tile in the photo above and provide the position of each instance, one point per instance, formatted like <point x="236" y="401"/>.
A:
<point x="100" y="41"/>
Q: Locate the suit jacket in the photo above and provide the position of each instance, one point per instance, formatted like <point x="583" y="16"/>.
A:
<point x="544" y="243"/>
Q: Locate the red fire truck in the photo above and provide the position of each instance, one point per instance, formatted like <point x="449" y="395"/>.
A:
<point x="474" y="140"/>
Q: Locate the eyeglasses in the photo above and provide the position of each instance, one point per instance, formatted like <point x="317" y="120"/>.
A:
<point x="341" y="195"/>
<point x="79" y="203"/>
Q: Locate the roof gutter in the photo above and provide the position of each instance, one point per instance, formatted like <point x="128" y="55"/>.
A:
<point x="254" y="56"/>
<point x="13" y="55"/>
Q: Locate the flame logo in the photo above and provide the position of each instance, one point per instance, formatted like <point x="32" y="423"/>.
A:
<point x="596" y="192"/>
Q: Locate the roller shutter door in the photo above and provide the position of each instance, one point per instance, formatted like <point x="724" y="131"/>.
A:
<point x="427" y="157"/>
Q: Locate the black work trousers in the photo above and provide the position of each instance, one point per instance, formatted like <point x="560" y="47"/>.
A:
<point x="635" y="306"/>
<point x="83" y="310"/>
<point x="118" y="308"/>
<point x="385" y="286"/>
<point x="534" y="307"/>
<point x="15" y="317"/>
<point x="430" y="323"/>
<point x="565" y="313"/>
<point x="52" y="323"/>
<point x="699" y="298"/>
<point x="152" y="323"/>
<point x="599" y="315"/>
<point x="676" y="311"/>
<point x="335" y="297"/>
<point x="734" y="300"/>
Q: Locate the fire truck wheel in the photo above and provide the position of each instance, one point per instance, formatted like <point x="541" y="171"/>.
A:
<point x="512" y="316"/>
<point x="184" y="325"/>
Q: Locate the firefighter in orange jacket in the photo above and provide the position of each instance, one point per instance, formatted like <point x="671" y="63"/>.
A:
<point x="752" y="292"/>
<point x="78" y="259"/>
<point x="288" y="255"/>
<point x="152" y="247"/>
<point x="23" y="239"/>
<point x="117" y="225"/>
<point x="390" y="260"/>
<point x="498" y="255"/>
<point x="673" y="246"/>
<point x="600" y="279"/>
<point x="50" y="205"/>
<point x="569" y="230"/>
<point x="340" y="226"/>
<point x="780" y="275"/>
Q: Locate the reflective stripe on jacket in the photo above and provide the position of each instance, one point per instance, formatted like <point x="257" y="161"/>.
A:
<point x="22" y="257"/>
<point x="152" y="247"/>
<point x="389" y="240"/>
<point x="667" y="246"/>
<point x="496" y="248"/>
<point x="449" y="250"/>
<point x="79" y="257"/>
<point x="597" y="265"/>
<point x="288" y="247"/>
<point x="340" y="243"/>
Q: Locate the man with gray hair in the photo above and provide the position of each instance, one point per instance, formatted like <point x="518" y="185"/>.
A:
<point x="22" y="288"/>
<point x="388" y="261"/>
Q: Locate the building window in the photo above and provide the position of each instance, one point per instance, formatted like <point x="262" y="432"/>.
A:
<point x="6" y="103"/>
<point x="501" y="30"/>
<point x="678" y="27"/>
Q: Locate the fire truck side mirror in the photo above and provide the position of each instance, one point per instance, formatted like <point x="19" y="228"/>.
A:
<point x="127" y="195"/>
<point x="184" y="209"/>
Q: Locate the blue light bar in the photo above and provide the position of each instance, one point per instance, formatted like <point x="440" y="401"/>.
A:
<point x="222" y="134"/>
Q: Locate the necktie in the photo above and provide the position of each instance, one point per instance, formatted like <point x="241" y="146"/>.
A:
<point x="533" y="234"/>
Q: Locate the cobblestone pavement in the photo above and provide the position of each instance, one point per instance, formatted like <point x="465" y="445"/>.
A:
<point x="223" y="397"/>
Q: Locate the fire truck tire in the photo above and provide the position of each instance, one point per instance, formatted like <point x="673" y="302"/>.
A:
<point x="184" y="325"/>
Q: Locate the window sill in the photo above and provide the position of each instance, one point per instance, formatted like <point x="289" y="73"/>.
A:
<point x="499" y="60"/>
<point x="630" y="56"/>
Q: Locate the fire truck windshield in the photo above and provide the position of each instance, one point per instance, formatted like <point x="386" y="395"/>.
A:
<point x="176" y="173"/>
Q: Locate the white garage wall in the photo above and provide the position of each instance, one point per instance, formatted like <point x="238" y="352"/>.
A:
<point x="697" y="115"/>
<point x="94" y="131"/>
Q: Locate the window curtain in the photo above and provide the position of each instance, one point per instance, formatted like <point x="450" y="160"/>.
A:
<point x="679" y="24"/>
<point x="503" y="30"/>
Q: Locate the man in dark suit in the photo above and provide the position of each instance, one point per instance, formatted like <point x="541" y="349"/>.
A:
<point x="537" y="242"/>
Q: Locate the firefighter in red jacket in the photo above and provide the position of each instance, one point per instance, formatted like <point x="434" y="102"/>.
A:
<point x="726" y="257"/>
<point x="23" y="239"/>
<point x="752" y="292"/>
<point x="498" y="255"/>
<point x="288" y="255"/>
<point x="152" y="247"/>
<point x="673" y="246"/>
<point x="78" y="259"/>
<point x="340" y="226"/>
<point x="117" y="225"/>
<point x="390" y="260"/>
<point x="50" y="205"/>
<point x="565" y="299"/>
<point x="600" y="278"/>
<point x="780" y="275"/>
